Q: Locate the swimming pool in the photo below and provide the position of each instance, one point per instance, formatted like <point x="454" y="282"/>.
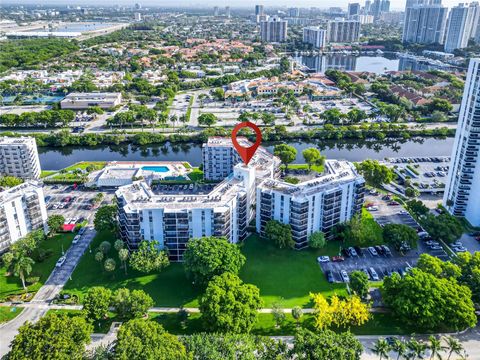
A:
<point x="160" y="169"/>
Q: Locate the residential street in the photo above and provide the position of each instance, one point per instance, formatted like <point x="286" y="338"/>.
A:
<point x="39" y="305"/>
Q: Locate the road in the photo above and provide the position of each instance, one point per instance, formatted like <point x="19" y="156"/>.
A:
<point x="54" y="284"/>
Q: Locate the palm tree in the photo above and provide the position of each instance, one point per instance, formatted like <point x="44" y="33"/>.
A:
<point x="417" y="349"/>
<point x="453" y="346"/>
<point x="436" y="347"/>
<point x="400" y="348"/>
<point x="381" y="348"/>
<point x="22" y="267"/>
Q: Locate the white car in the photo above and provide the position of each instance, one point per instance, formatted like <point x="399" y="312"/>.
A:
<point x="76" y="238"/>
<point x="432" y="243"/>
<point x="372" y="208"/>
<point x="352" y="252"/>
<point x="323" y="259"/>
<point x="457" y="243"/>
<point x="459" y="249"/>
<point x="373" y="274"/>
<point x="61" y="261"/>
<point x="436" y="247"/>
<point x="373" y="251"/>
<point x="345" y="276"/>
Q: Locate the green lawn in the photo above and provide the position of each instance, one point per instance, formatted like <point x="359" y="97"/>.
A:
<point x="286" y="276"/>
<point x="11" y="285"/>
<point x="46" y="173"/>
<point x="65" y="175"/>
<point x="283" y="276"/>
<point x="317" y="168"/>
<point x="196" y="175"/>
<point x="8" y="313"/>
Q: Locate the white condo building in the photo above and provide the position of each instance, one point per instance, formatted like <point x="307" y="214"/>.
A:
<point x="273" y="30"/>
<point x="424" y="24"/>
<point x="462" y="191"/>
<point x="343" y="31"/>
<point x="315" y="36"/>
<point x="174" y="219"/>
<point x="460" y="25"/>
<point x="19" y="157"/>
<point x="314" y="205"/>
<point x="22" y="210"/>
<point x="220" y="157"/>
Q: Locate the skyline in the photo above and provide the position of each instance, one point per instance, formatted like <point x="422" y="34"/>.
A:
<point x="395" y="4"/>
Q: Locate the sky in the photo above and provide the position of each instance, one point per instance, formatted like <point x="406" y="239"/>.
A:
<point x="395" y="4"/>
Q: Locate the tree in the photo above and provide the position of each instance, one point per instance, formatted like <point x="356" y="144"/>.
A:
<point x="10" y="181"/>
<point x="110" y="265"/>
<point x="106" y="218"/>
<point x="148" y="258"/>
<point x="54" y="223"/>
<point x="438" y="268"/>
<point x="422" y="300"/>
<point x="118" y="245"/>
<point x="297" y="313"/>
<point x="317" y="240"/>
<point x="312" y="157"/>
<point x="286" y="153"/>
<point x="323" y="313"/>
<point x="453" y="346"/>
<point x="350" y="311"/>
<point x="280" y="234"/>
<point x="123" y="255"/>
<point x="207" y="257"/>
<point x="229" y="305"/>
<point x="278" y="315"/>
<point x="131" y="304"/>
<point x="23" y="266"/>
<point x="417" y="207"/>
<point x="375" y="174"/>
<point x="99" y="256"/>
<point x="399" y="235"/>
<point x="326" y="345"/>
<point x="470" y="272"/>
<point x="436" y="347"/>
<point x="105" y="247"/>
<point x="359" y="283"/>
<point x="443" y="227"/>
<point x="381" y="348"/>
<point x="140" y="339"/>
<point x="54" y="335"/>
<point x="207" y="119"/>
<point x="400" y="347"/>
<point x="416" y="349"/>
<point x="96" y="302"/>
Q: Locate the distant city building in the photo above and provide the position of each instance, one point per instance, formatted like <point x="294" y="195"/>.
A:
<point x="215" y="11"/>
<point x="363" y="19"/>
<point x="460" y="25"/>
<point x="367" y="8"/>
<point x="138" y="16"/>
<point x="315" y="36"/>
<point x="259" y="10"/>
<point x="80" y="101"/>
<point x="424" y="24"/>
<point x="227" y="12"/>
<point x="273" y="30"/>
<point x="462" y="191"/>
<point x="343" y="31"/>
<point x="385" y="6"/>
<point x="313" y="205"/>
<point x="22" y="210"/>
<point x="19" y="157"/>
<point x="393" y="17"/>
<point x="294" y="12"/>
<point x="353" y="9"/>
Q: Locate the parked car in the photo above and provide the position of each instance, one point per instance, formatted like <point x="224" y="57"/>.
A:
<point x="330" y="278"/>
<point x="345" y="276"/>
<point x="436" y="247"/>
<point x="338" y="258"/>
<point x="61" y="261"/>
<point x="352" y="252"/>
<point x="373" y="274"/>
<point x="459" y="249"/>
<point x="76" y="239"/>
<point x="366" y="273"/>
<point x="386" y="250"/>
<point x="372" y="208"/>
<point x="432" y="243"/>
<point x="372" y="251"/>
<point x="82" y="230"/>
<point x="379" y="249"/>
<point x="323" y="259"/>
<point x="359" y="250"/>
<point x="393" y="203"/>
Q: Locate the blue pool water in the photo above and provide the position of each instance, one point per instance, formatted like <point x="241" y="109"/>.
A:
<point x="160" y="169"/>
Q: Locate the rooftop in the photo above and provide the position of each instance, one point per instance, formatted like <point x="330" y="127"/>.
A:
<point x="23" y="189"/>
<point x="16" y="140"/>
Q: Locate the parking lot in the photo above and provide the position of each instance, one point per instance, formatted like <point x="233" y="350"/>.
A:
<point x="78" y="208"/>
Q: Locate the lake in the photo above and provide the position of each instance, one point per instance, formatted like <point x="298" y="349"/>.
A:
<point x="75" y="27"/>
<point x="58" y="158"/>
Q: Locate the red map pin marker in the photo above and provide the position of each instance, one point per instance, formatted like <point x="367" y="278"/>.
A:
<point x="246" y="153"/>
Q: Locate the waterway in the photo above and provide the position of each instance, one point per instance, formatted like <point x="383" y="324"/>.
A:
<point x="58" y="158"/>
<point x="75" y="27"/>
<point x="378" y="64"/>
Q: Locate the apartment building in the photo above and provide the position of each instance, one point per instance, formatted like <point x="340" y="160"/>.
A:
<point x="313" y="205"/>
<point x="425" y="24"/>
<point x="19" y="157"/>
<point x="460" y="25"/>
<point x="273" y="30"/>
<point x="174" y="219"/>
<point x="220" y="157"/>
<point x="22" y="210"/>
<point x="462" y="191"/>
<point x="343" y="31"/>
<point x="79" y="101"/>
<point x="315" y="36"/>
